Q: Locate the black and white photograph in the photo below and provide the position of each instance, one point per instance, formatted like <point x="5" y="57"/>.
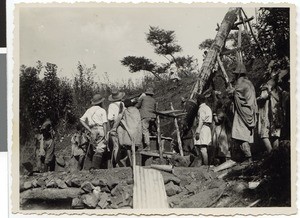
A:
<point x="154" y="109"/>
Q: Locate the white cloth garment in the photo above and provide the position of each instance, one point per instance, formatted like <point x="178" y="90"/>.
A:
<point x="204" y="116"/>
<point x="94" y="116"/>
<point x="114" y="110"/>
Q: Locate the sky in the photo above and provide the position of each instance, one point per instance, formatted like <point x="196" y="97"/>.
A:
<point x="104" y="35"/>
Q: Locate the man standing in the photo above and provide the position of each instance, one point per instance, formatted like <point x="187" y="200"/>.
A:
<point x="95" y="121"/>
<point x="270" y="113"/>
<point x="115" y="108"/>
<point x="203" y="132"/>
<point x="146" y="104"/>
<point x="79" y="143"/>
<point x="47" y="146"/>
<point x="129" y="130"/>
<point x="245" y="109"/>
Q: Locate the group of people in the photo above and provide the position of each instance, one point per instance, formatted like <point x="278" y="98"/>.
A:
<point x="106" y="138"/>
<point x="233" y="126"/>
<point x="112" y="133"/>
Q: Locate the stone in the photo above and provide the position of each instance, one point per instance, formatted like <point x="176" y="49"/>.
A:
<point x="60" y="161"/>
<point x="105" y="189"/>
<point x="61" y="184"/>
<point x="117" y="191"/>
<point x="34" y="183"/>
<point x="116" y="201"/>
<point x="112" y="184"/>
<point x="103" y="182"/>
<point x="90" y="200"/>
<point x="239" y="187"/>
<point x="97" y="192"/>
<point x="69" y="182"/>
<point x="113" y="206"/>
<point x="95" y="182"/>
<point x="103" y="203"/>
<point x="129" y="182"/>
<point x="41" y="182"/>
<point x="76" y="183"/>
<point x="27" y="185"/>
<point x="169" y="177"/>
<point x="87" y="187"/>
<point x="77" y="203"/>
<point x="172" y="189"/>
<point x="192" y="188"/>
<point x="51" y="184"/>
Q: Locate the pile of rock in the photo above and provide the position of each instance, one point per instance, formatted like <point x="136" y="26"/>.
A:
<point x="194" y="187"/>
<point x="99" y="189"/>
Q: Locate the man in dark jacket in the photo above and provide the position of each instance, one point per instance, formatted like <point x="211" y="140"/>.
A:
<point x="146" y="104"/>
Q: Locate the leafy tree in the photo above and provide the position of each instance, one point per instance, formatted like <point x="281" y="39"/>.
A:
<point x="165" y="44"/>
<point x="30" y="104"/>
<point x="163" y="41"/>
<point x="136" y="64"/>
<point x="186" y="64"/>
<point x="273" y="33"/>
<point x="50" y="93"/>
<point x="206" y="44"/>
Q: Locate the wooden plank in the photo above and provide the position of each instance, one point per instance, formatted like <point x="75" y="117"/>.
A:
<point x="223" y="71"/>
<point x="51" y="193"/>
<point x="162" y="137"/>
<point x="170" y="115"/>
<point x="159" y="136"/>
<point x="178" y="133"/>
<point x="156" y="153"/>
<point x="243" y="21"/>
<point x="169" y="111"/>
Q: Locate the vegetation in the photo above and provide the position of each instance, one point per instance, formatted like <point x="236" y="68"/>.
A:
<point x="43" y="94"/>
<point x="164" y="44"/>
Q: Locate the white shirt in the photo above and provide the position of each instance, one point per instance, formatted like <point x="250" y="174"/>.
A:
<point x="205" y="113"/>
<point x="205" y="116"/>
<point x="95" y="115"/>
<point x="113" y="110"/>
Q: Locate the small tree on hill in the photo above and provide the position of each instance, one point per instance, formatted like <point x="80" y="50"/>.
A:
<point x="165" y="44"/>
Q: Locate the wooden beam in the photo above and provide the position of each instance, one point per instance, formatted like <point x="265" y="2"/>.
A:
<point x="223" y="71"/>
<point x="170" y="115"/>
<point x="229" y="51"/>
<point x="253" y="36"/>
<point x="208" y="65"/>
<point x="51" y="193"/>
<point x="162" y="137"/>
<point x="243" y="21"/>
<point x="178" y="132"/>
<point x="159" y="136"/>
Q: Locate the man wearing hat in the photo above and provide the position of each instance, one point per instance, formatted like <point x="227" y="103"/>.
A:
<point x="245" y="109"/>
<point x="95" y="121"/>
<point x="146" y="104"/>
<point x="270" y="112"/>
<point x="203" y="132"/>
<point x="115" y="108"/>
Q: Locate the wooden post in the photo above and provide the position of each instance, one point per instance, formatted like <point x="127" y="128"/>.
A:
<point x="223" y="71"/>
<point x="159" y="136"/>
<point x="210" y="60"/>
<point x="178" y="133"/>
